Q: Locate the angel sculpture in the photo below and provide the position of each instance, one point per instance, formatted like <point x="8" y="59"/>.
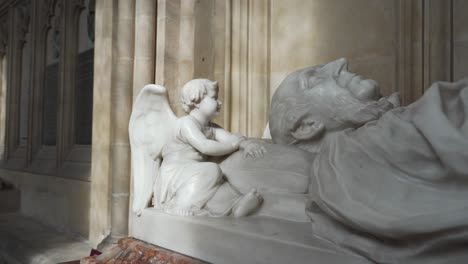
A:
<point x="170" y="155"/>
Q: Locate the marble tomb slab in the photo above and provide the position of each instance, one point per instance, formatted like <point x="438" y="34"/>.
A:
<point x="230" y="240"/>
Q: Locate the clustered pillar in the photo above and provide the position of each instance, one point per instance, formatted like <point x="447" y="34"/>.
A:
<point x="121" y="104"/>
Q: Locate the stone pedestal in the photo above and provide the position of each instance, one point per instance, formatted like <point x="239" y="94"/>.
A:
<point x="130" y="250"/>
<point x="227" y="240"/>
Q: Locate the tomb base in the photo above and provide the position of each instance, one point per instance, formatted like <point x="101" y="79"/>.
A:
<point x="228" y="240"/>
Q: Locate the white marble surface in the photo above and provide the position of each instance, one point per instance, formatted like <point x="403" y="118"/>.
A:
<point x="383" y="176"/>
<point x="227" y="240"/>
<point x="190" y="166"/>
<point x="172" y="158"/>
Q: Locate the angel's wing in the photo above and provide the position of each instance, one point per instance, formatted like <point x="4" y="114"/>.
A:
<point x="151" y="124"/>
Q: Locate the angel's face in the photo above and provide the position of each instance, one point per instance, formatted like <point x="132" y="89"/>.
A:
<point x="210" y="105"/>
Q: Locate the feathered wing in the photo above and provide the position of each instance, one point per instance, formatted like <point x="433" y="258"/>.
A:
<point x="151" y="123"/>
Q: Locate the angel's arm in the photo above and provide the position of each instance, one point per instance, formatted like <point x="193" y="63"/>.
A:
<point x="252" y="147"/>
<point x="206" y="146"/>
<point x="224" y="136"/>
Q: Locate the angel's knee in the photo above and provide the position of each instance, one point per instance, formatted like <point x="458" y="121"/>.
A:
<point x="212" y="172"/>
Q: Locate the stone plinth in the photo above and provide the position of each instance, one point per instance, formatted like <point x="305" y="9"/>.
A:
<point x="134" y="251"/>
<point x="227" y="240"/>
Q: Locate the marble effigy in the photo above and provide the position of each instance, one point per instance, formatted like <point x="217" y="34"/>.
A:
<point x="346" y="176"/>
<point x="388" y="182"/>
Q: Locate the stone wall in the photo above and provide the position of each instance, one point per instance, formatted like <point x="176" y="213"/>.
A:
<point x="250" y="46"/>
<point x="39" y="45"/>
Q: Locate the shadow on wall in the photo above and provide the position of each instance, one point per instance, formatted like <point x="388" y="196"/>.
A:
<point x="10" y="198"/>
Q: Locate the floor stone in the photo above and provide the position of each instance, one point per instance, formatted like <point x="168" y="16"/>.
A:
<point x="24" y="240"/>
<point x="10" y="200"/>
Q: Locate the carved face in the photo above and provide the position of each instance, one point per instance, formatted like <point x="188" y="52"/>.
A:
<point x="210" y="105"/>
<point x="323" y="99"/>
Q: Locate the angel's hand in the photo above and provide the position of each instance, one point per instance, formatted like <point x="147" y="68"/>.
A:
<point x="253" y="149"/>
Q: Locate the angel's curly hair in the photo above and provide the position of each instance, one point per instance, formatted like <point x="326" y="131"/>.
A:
<point x="194" y="91"/>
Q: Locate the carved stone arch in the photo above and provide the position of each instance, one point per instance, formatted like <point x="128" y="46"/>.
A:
<point x="78" y="6"/>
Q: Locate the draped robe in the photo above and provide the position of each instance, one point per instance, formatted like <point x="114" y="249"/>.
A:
<point x="396" y="189"/>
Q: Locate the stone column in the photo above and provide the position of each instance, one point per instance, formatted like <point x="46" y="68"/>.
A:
<point x="145" y="51"/>
<point x="2" y="104"/>
<point x="437" y="61"/>
<point x="167" y="48"/>
<point x="250" y="70"/>
<point x="124" y="61"/>
<point x="145" y="44"/>
<point x="186" y="42"/>
<point x="3" y="47"/>
<point x="121" y="105"/>
<point x="459" y="39"/>
<point x="410" y="50"/>
<point x="258" y="98"/>
<point x="100" y="166"/>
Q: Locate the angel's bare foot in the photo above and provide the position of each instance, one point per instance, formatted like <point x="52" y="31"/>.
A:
<point x="247" y="204"/>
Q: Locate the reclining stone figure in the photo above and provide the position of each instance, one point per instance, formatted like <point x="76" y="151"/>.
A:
<point x="390" y="183"/>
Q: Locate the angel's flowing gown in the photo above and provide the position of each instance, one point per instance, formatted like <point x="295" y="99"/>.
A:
<point x="187" y="183"/>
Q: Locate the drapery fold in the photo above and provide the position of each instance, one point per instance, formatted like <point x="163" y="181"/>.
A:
<point x="396" y="189"/>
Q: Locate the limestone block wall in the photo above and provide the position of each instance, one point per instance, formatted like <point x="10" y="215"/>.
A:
<point x="250" y="46"/>
<point x="54" y="178"/>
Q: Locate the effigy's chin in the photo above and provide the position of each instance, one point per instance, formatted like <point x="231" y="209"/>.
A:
<point x="281" y="176"/>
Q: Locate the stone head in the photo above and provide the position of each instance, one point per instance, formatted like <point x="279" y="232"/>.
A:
<point x="317" y="100"/>
<point x="201" y="94"/>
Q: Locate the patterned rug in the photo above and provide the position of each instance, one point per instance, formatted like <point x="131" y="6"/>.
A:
<point x="130" y="250"/>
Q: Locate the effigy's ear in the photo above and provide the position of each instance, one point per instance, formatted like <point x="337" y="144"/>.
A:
<point x="308" y="129"/>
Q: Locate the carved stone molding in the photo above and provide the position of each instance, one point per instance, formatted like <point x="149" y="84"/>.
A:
<point x="3" y="37"/>
<point x="56" y="26"/>
<point x="48" y="9"/>
<point x="90" y="19"/>
<point x="24" y="17"/>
